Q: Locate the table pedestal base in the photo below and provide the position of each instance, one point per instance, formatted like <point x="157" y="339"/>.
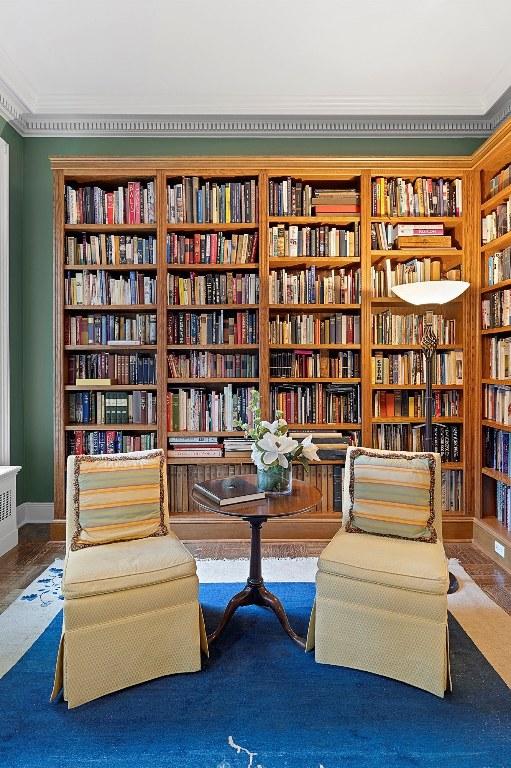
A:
<point x="255" y="592"/>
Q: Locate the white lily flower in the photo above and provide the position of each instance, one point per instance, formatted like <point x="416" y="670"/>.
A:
<point x="287" y="444"/>
<point x="270" y="427"/>
<point x="309" y="450"/>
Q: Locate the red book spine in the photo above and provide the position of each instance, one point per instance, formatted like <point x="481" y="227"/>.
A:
<point x="137" y="217"/>
<point x="213" y="248"/>
<point x="196" y="248"/>
<point x="131" y="202"/>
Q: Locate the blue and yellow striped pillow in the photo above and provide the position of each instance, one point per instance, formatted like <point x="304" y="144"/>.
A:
<point x="118" y="498"/>
<point x="392" y="495"/>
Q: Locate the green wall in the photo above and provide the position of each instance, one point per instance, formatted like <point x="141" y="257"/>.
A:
<point x="16" y="146"/>
<point x="36" y="420"/>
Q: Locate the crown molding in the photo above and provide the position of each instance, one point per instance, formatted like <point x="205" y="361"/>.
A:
<point x="28" y="124"/>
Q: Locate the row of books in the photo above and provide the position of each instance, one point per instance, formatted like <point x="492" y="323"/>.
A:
<point x="499" y="266"/>
<point x="410" y="437"/>
<point x="413" y="404"/>
<point x="452" y="490"/>
<point x="311" y="329"/>
<point x="410" y="368"/>
<point x="91" y="442"/>
<point x="388" y="273"/>
<point x="220" y="327"/>
<point x="305" y="363"/>
<point x="204" y="365"/>
<point x="107" y="249"/>
<point x="496" y="309"/>
<point x="497" y="450"/>
<point x="422" y="197"/>
<point x="313" y="241"/>
<point x="497" y="403"/>
<point x="212" y="248"/>
<point x="197" y="201"/>
<point x="309" y="286"/>
<point x="111" y="329"/>
<point x="133" y="203"/>
<point x="500" y="357"/>
<point x="136" y="368"/>
<point x="207" y="410"/>
<point x="501" y="180"/>
<point x="503" y="504"/>
<point x="496" y="223"/>
<point x="386" y="236"/>
<point x="225" y="288"/>
<point x="390" y="328"/>
<point x="138" y="407"/>
<point x="101" y="289"/>
<point x="317" y="403"/>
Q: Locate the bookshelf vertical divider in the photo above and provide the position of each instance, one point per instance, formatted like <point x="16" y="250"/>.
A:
<point x="264" y="314"/>
<point x="366" y="307"/>
<point x="161" y="338"/>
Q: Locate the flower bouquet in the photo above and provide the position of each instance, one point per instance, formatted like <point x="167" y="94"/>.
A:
<point x="274" y="451"/>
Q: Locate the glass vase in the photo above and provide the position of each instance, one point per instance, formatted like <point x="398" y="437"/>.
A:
<point x="275" y="481"/>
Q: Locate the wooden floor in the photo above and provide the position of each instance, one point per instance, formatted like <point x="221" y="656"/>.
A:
<point x="20" y="566"/>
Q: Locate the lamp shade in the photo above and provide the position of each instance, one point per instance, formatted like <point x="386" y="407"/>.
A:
<point x="431" y="291"/>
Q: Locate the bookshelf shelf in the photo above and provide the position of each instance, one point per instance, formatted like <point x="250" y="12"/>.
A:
<point x="314" y="346"/>
<point x="204" y="433"/>
<point x="288" y="308"/>
<point x="492" y="202"/>
<point x="496" y="287"/>
<point x="414" y="346"/>
<point x="110" y="307"/>
<point x="499" y="476"/>
<point x="197" y="382"/>
<point x="211" y="267"/>
<point x="215" y="347"/>
<point x="112" y="228"/>
<point x="110" y="267"/>
<point x="497" y="330"/>
<point x="448" y="221"/>
<point x="417" y="386"/>
<point x="108" y="427"/>
<point x="497" y="382"/>
<point x="217" y="227"/>
<point x="110" y="347"/>
<point x="496" y="425"/>
<point x="325" y="426"/>
<point x="109" y="387"/>
<point x="404" y="254"/>
<point x="312" y="380"/>
<point x="312" y="261"/>
<point x="311" y="220"/>
<point x="417" y="420"/>
<point x="498" y="244"/>
<point x="208" y="307"/>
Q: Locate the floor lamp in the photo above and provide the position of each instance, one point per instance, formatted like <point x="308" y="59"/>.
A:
<point x="428" y="293"/>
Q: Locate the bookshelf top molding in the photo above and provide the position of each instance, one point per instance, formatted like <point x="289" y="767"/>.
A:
<point x="344" y="168"/>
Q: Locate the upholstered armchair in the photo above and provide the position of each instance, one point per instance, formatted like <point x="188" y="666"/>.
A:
<point x="381" y="585"/>
<point x="130" y="588"/>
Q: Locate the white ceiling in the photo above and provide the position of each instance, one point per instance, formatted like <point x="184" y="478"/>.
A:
<point x="265" y="57"/>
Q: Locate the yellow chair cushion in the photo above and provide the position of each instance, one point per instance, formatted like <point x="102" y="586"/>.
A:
<point x="412" y="565"/>
<point x="125" y="565"/>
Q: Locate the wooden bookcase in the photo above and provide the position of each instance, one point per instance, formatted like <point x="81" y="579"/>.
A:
<point x="188" y="522"/>
<point x="492" y="157"/>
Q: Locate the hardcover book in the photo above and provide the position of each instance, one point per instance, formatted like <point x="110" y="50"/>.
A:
<point x="231" y="490"/>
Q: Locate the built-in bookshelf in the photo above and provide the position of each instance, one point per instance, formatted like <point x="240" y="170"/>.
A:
<point x="182" y="284"/>
<point x="493" y="231"/>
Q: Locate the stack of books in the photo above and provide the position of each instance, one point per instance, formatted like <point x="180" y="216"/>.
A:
<point x="385" y="237"/>
<point x="238" y="446"/>
<point x="331" y="445"/>
<point x="194" y="448"/>
<point x="336" y="202"/>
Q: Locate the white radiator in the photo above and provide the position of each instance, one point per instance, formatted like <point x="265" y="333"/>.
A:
<point x="8" y="526"/>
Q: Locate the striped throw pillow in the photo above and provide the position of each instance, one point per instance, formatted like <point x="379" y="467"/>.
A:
<point x="118" y="498"/>
<point x="392" y="495"/>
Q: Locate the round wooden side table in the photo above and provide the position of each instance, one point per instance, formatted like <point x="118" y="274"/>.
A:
<point x="303" y="498"/>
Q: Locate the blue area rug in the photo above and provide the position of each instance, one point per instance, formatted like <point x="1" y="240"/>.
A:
<point x="260" y="702"/>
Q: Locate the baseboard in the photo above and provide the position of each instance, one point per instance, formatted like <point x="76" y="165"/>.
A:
<point x="34" y="512"/>
<point x="8" y="542"/>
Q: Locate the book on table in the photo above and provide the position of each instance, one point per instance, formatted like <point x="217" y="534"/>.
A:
<point x="230" y="490"/>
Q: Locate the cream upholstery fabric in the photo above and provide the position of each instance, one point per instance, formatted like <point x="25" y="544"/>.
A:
<point x="381" y="605"/>
<point x="131" y="613"/>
